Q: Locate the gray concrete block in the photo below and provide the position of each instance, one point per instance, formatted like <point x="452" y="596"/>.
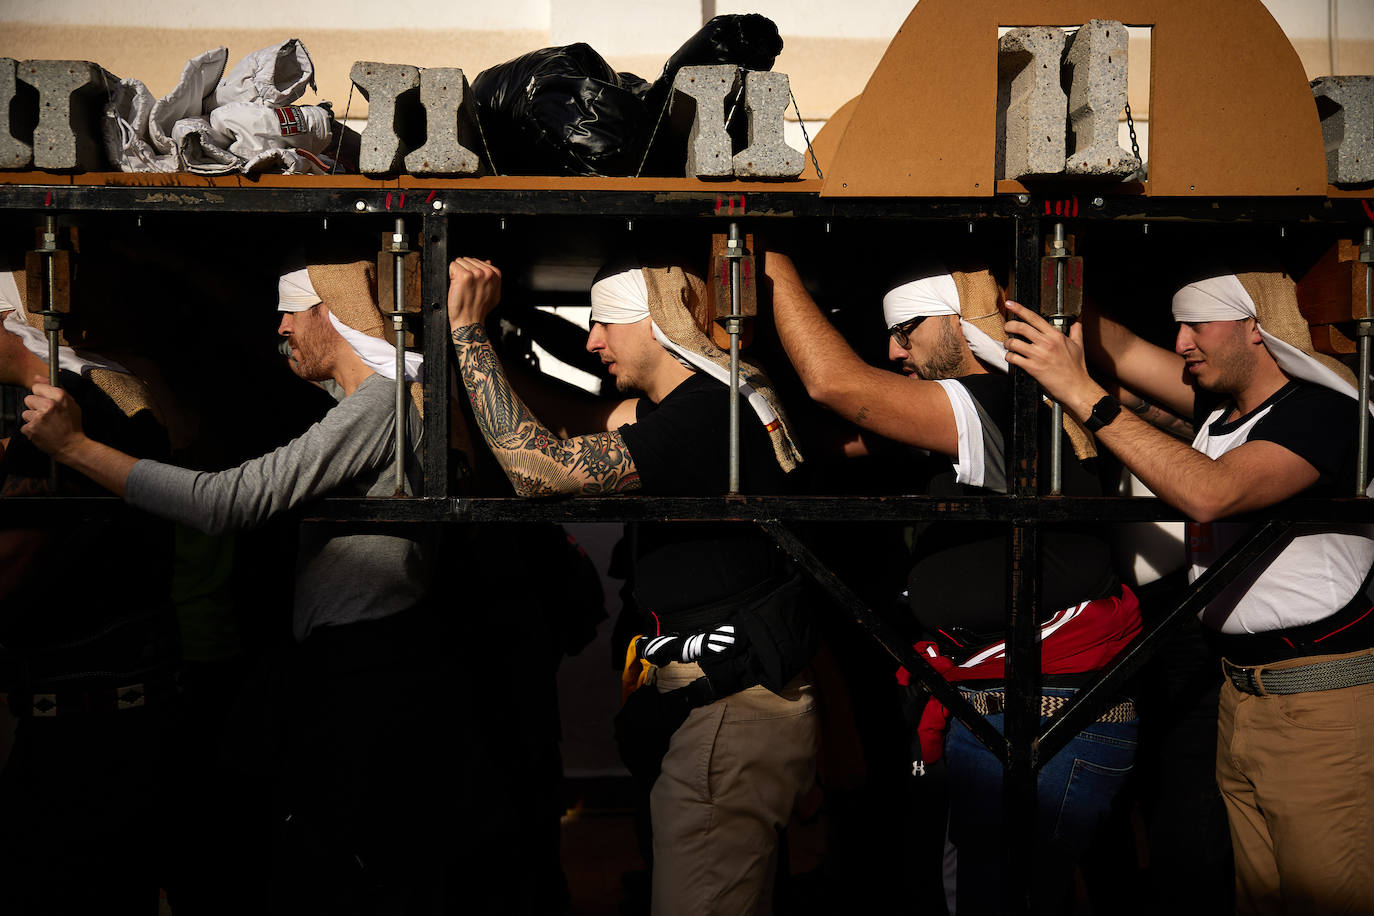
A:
<point x="1032" y="109"/>
<point x="1096" y="62"/>
<point x="71" y="104"/>
<point x="1345" y="105"/>
<point x="701" y="92"/>
<point x="18" y="112"/>
<point x="766" y="97"/>
<point x="451" y="126"/>
<point x="395" y="120"/>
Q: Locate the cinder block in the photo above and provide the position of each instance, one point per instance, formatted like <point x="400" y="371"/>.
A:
<point x="1096" y="59"/>
<point x="451" y="126"/>
<point x="1032" y="109"/>
<point x="1345" y="105"/>
<point x="71" y="102"/>
<point x="702" y="91"/>
<point x="18" y="112"/>
<point x="394" y="116"/>
<point x="766" y="97"/>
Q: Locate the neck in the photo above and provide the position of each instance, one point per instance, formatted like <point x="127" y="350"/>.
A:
<point x="349" y="371"/>
<point x="671" y="374"/>
<point x="1267" y="380"/>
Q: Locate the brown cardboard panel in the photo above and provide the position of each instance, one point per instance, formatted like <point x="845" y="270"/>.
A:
<point x="828" y="137"/>
<point x="1231" y="110"/>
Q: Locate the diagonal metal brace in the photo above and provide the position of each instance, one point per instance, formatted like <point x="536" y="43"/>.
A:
<point x="883" y="634"/>
<point x="1089" y="702"/>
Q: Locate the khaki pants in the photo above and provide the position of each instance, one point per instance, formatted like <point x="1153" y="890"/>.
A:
<point x="732" y="775"/>
<point x="1297" y="774"/>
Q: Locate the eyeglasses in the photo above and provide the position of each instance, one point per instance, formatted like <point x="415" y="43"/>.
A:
<point x="902" y="332"/>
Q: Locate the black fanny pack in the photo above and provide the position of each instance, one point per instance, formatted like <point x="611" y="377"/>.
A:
<point x="1349" y="629"/>
<point x="774" y="640"/>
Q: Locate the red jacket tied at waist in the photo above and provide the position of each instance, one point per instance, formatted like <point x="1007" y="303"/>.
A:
<point x="1078" y="639"/>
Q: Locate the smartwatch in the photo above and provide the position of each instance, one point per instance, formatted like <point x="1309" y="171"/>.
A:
<point x="1104" y="412"/>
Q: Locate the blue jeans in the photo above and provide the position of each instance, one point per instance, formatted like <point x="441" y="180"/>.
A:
<point x="1075" y="791"/>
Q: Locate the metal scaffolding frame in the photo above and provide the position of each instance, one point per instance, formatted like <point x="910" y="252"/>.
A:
<point x="432" y="217"/>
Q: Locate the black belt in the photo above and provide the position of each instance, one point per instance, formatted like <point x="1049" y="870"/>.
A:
<point x="1328" y="674"/>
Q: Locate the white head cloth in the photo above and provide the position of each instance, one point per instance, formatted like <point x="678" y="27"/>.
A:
<point x="36" y="342"/>
<point x="295" y="293"/>
<point x="937" y="295"/>
<point x="1225" y="299"/>
<point x="620" y="296"/>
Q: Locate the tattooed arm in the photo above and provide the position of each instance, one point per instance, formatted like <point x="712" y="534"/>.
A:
<point x="537" y="462"/>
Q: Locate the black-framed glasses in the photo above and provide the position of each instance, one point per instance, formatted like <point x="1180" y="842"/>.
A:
<point x="901" y="332"/>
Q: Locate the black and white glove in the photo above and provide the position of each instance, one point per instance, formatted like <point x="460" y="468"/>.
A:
<point x="663" y="650"/>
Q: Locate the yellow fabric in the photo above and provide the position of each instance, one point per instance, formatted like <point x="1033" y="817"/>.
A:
<point x="635" y="673"/>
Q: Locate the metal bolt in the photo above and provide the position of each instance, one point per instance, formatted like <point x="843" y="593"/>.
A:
<point x="1023" y="199"/>
<point x="438" y="205"/>
<point x="503" y="224"/>
<point x="359" y="205"/>
<point x="1283" y="232"/>
<point x="629" y="225"/>
<point x="827" y="227"/>
<point x="1097" y="201"/>
<point x="970" y="227"/>
<point x="1147" y="228"/>
<point x="325" y="221"/>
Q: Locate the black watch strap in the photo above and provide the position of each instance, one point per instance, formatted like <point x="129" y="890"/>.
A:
<point x="1104" y="412"/>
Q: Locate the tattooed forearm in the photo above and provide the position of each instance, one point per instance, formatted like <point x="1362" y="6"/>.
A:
<point x="536" y="461"/>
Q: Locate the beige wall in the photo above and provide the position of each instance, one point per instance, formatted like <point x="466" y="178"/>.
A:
<point x="830" y="49"/>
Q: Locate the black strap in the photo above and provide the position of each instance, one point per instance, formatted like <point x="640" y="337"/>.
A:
<point x="1349" y="629"/>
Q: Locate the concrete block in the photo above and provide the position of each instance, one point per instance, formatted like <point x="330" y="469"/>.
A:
<point x="1345" y="105"/>
<point x="71" y="104"/>
<point x="1096" y="62"/>
<point x="395" y="118"/>
<point x="18" y="114"/>
<point x="1032" y="109"/>
<point x="451" y="126"/>
<point x="766" y="97"/>
<point x="701" y="92"/>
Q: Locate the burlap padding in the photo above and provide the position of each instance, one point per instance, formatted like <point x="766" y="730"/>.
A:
<point x="349" y="290"/>
<point x="1276" y="304"/>
<point x="675" y="295"/>
<point x="980" y="304"/>
<point x="128" y="392"/>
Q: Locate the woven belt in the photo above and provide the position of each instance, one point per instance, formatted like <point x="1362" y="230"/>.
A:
<point x="75" y="702"/>
<point x="994" y="702"/>
<point x="1351" y="671"/>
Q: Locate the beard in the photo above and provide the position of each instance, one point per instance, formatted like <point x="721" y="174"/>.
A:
<point x="946" y="357"/>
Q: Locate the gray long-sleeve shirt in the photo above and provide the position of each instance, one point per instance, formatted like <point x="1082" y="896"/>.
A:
<point x="340" y="578"/>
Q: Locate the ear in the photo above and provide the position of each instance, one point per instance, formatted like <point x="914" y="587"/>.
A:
<point x="1255" y="336"/>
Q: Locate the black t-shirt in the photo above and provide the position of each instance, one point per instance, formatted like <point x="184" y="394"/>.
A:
<point x="1317" y="424"/>
<point x="81" y="579"/>
<point x="958" y="575"/>
<point x="680" y="447"/>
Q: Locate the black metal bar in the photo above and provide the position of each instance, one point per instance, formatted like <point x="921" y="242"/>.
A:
<point x="434" y="295"/>
<point x="884" y="635"/>
<point x="1022" y="718"/>
<point x="1089" y="702"/>
<point x="30" y="511"/>
<point x="586" y="198"/>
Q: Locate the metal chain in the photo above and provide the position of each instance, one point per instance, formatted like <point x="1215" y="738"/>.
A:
<point x="1130" y="125"/>
<point x="667" y="104"/>
<point x="814" y="161"/>
<point x="343" y="125"/>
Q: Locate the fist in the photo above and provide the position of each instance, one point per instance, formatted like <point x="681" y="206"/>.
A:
<point x="474" y="289"/>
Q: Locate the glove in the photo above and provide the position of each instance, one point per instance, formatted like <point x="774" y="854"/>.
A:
<point x="663" y="650"/>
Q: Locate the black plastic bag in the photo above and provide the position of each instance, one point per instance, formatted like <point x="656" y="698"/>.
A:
<point x="562" y="111"/>
<point x="565" y="111"/>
